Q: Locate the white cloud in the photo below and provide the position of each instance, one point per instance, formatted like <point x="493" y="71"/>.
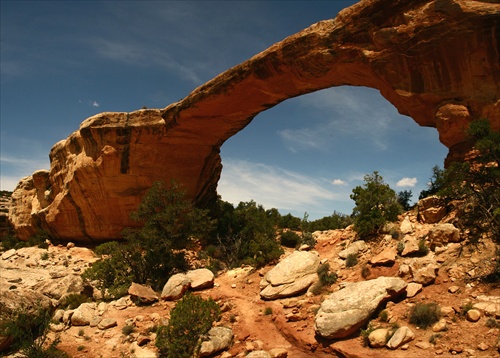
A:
<point x="411" y="182"/>
<point x="274" y="187"/>
<point x="344" y="112"/>
<point x="338" y="182"/>
<point x="94" y="103"/>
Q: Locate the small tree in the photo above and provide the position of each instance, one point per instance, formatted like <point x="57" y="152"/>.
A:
<point x="376" y="204"/>
<point x="153" y="252"/>
<point x="436" y="183"/>
<point x="477" y="184"/>
<point x="191" y="318"/>
<point x="404" y="198"/>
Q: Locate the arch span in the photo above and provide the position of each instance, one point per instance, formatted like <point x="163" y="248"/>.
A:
<point x="436" y="61"/>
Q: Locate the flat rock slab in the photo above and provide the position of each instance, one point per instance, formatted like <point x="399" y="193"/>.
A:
<point x="293" y="275"/>
<point x="347" y="310"/>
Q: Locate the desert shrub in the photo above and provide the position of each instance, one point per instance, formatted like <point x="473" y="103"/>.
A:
<point x="477" y="184"/>
<point x="400" y="247"/>
<point x="335" y="221"/>
<point x="128" y="329"/>
<point x="268" y="311"/>
<point x="433" y="339"/>
<point x="289" y="221"/>
<point x="28" y="328"/>
<point x="424" y="315"/>
<point x="404" y="198"/>
<point x="351" y="260"/>
<point x="465" y="308"/>
<point x="73" y="300"/>
<point x="492" y="323"/>
<point x="365" y="271"/>
<point x="364" y="333"/>
<point x="246" y="234"/>
<point x="436" y="183"/>
<point x="375" y="205"/>
<point x="423" y="249"/>
<point x="191" y="318"/>
<point x="383" y="316"/>
<point x="290" y="239"/>
<point x="326" y="278"/>
<point x="154" y="251"/>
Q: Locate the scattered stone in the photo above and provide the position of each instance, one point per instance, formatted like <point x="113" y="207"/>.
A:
<point x="278" y="353"/>
<point x="107" y="323"/>
<point x="8" y="254"/>
<point x="219" y="339"/>
<point x="84" y="314"/>
<point x="410" y="246"/>
<point x="258" y="354"/>
<point x="378" y="337"/>
<point x="440" y="326"/>
<point x="424" y="270"/>
<point x="453" y="289"/>
<point x="139" y="352"/>
<point x="142" y="340"/>
<point x="201" y="278"/>
<point x="353" y="249"/>
<point x="142" y="294"/>
<point x="406" y="226"/>
<point x="441" y="234"/>
<point x="175" y="287"/>
<point x="385" y="258"/>
<point x="473" y="315"/>
<point x="413" y="289"/>
<point x="483" y="346"/>
<point x="70" y="245"/>
<point x="402" y="336"/>
<point x="423" y="345"/>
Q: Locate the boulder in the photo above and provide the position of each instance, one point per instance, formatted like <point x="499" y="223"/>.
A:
<point x="175" y="287"/>
<point x="378" y="337"/>
<point x="142" y="294"/>
<point x="385" y="258"/>
<point x="106" y="323"/>
<point x="344" y="312"/>
<point x="219" y="339"/>
<point x="201" y="278"/>
<point x="353" y="249"/>
<point x="401" y="336"/>
<point x="61" y="286"/>
<point x="431" y="210"/>
<point x="441" y="234"/>
<point x="440" y="78"/>
<point x="84" y="314"/>
<point x="406" y="226"/>
<point x="413" y="289"/>
<point x="424" y="270"/>
<point x="291" y="276"/>
<point x="410" y="246"/>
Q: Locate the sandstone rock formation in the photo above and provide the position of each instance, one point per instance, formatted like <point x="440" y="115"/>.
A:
<point x="437" y="61"/>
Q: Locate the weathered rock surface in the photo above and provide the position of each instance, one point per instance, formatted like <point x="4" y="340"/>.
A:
<point x="431" y="209"/>
<point x="175" y="287"/>
<point x="435" y="61"/>
<point x="401" y="336"/>
<point x="291" y="276"/>
<point x="345" y="311"/>
<point x="219" y="339"/>
<point x="142" y="294"/>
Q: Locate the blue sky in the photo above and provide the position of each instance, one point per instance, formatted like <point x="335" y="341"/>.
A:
<point x="62" y="62"/>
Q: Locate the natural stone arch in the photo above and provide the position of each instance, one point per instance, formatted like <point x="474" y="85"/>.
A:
<point x="437" y="61"/>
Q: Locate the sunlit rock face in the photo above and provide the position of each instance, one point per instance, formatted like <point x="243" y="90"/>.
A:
<point x="436" y="61"/>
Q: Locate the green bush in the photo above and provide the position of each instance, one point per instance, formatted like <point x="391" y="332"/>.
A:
<point x="246" y="234"/>
<point x="28" y="328"/>
<point x="73" y="300"/>
<point x="290" y="239"/>
<point x="422" y="248"/>
<point x="335" y="221"/>
<point x="424" y="315"/>
<point x="376" y="204"/>
<point x="326" y="278"/>
<point x="191" y="318"/>
<point x="351" y="260"/>
<point x="153" y="252"/>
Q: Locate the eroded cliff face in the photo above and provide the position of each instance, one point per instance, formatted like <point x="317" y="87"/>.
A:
<point x="437" y="61"/>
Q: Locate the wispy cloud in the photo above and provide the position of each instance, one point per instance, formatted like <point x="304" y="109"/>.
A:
<point x="407" y="182"/>
<point x="338" y="182"/>
<point x="94" y="103"/>
<point x="344" y="112"/>
<point x="275" y="187"/>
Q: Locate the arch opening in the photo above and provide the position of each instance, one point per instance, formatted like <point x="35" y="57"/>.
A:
<point x="307" y="153"/>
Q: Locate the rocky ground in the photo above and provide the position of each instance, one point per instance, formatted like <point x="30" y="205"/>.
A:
<point x="448" y="275"/>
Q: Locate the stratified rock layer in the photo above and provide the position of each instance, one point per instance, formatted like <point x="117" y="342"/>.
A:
<point x="436" y="61"/>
